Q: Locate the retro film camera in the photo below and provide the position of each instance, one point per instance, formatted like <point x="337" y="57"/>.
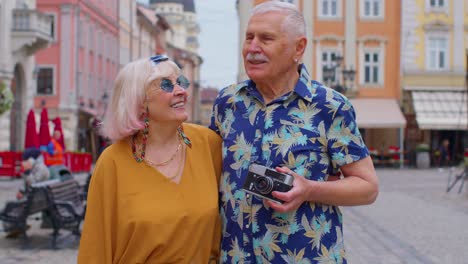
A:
<point x="261" y="181"/>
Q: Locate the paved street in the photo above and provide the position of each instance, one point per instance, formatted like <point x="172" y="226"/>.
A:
<point x="413" y="221"/>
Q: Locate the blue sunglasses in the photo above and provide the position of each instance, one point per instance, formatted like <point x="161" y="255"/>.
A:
<point x="168" y="86"/>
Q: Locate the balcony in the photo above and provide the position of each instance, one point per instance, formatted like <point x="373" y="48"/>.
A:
<point x="31" y="30"/>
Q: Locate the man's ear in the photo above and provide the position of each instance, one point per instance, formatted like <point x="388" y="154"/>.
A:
<point x="301" y="44"/>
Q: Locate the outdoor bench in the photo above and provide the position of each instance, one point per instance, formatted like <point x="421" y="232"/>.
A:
<point x="15" y="213"/>
<point x="66" y="207"/>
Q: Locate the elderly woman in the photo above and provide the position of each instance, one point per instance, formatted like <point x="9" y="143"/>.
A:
<point x="153" y="196"/>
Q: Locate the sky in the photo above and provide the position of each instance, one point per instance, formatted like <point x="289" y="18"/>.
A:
<point x="218" y="42"/>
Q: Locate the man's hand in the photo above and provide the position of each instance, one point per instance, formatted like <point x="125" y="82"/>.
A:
<point x="294" y="197"/>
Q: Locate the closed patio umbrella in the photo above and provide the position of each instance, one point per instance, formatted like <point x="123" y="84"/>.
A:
<point x="31" y="137"/>
<point x="44" y="133"/>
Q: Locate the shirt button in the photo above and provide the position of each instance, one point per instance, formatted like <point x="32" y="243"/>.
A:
<point x="247" y="225"/>
<point x="248" y="254"/>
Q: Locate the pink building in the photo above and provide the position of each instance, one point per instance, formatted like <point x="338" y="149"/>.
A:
<point x="75" y="74"/>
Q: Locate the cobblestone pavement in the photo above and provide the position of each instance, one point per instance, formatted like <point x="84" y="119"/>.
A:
<point x="413" y="221"/>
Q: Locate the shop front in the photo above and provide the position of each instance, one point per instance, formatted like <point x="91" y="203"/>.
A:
<point x="382" y="125"/>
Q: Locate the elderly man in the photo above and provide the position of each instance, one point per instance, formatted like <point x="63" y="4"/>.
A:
<point x="283" y="120"/>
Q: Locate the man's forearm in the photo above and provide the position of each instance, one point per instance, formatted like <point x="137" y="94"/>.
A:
<point x="349" y="191"/>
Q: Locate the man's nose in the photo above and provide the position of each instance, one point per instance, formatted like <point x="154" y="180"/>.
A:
<point x="253" y="46"/>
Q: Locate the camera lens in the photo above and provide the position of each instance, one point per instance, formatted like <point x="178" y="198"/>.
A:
<point x="263" y="185"/>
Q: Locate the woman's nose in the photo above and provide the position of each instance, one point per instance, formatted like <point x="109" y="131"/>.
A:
<point x="178" y="90"/>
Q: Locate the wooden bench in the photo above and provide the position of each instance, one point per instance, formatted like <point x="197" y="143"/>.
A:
<point x="15" y="213"/>
<point x="66" y="207"/>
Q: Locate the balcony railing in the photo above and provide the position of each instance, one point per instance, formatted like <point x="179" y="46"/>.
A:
<point x="32" y="28"/>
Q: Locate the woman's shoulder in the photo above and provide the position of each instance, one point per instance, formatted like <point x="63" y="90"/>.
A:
<point x="195" y="132"/>
<point x="117" y="150"/>
<point x="195" y="129"/>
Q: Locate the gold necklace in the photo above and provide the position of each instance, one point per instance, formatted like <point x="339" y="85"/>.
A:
<point x="168" y="177"/>
<point x="151" y="163"/>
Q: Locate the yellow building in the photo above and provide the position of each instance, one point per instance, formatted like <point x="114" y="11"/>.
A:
<point x="433" y="64"/>
<point x="358" y="43"/>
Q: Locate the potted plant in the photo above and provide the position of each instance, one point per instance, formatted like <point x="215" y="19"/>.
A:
<point x="6" y="98"/>
<point x="423" y="159"/>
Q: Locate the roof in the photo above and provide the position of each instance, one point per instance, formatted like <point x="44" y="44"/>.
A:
<point x="441" y="110"/>
<point x="189" y="6"/>
<point x="208" y="94"/>
<point x="148" y="13"/>
<point x="378" y="113"/>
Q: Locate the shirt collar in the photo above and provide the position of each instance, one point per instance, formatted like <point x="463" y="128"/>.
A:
<point x="303" y="87"/>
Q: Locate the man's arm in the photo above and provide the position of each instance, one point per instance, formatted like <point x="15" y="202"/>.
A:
<point x="358" y="187"/>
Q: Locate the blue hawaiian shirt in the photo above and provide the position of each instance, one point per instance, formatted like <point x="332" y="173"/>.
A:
<point x="312" y="130"/>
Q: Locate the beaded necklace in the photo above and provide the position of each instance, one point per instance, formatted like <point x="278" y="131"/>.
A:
<point x="144" y="140"/>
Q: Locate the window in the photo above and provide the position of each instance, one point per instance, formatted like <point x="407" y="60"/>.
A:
<point x="329" y="8"/>
<point x="328" y="60"/>
<point x="53" y="19"/>
<point x="371" y="67"/>
<point x="372" y="8"/>
<point x="437" y="53"/>
<point x="437" y="6"/>
<point x="45" y="81"/>
<point x="436" y="3"/>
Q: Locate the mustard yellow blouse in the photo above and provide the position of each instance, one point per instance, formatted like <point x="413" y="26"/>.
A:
<point x="136" y="215"/>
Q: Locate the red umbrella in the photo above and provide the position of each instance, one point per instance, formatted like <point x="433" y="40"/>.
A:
<point x="32" y="138"/>
<point x="58" y="127"/>
<point x="44" y="133"/>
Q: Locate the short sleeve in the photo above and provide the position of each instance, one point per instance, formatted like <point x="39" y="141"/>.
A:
<point x="345" y="143"/>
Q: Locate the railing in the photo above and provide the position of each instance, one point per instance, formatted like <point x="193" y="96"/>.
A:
<point x="28" y="20"/>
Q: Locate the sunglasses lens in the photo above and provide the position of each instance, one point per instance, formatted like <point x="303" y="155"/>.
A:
<point x="167" y="85"/>
<point x="183" y="82"/>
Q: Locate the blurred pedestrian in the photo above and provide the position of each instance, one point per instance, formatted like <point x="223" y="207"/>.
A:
<point x="34" y="168"/>
<point x="55" y="150"/>
<point x="444" y="153"/>
<point x="34" y="171"/>
<point x="153" y="196"/>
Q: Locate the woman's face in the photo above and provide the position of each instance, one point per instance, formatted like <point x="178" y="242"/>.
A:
<point x="167" y="99"/>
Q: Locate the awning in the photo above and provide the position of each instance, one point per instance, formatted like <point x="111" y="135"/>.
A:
<point x="441" y="110"/>
<point x="378" y="113"/>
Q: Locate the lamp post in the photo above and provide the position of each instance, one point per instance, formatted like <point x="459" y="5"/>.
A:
<point x="337" y="76"/>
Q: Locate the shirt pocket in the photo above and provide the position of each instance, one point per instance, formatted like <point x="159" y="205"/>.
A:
<point x="309" y="159"/>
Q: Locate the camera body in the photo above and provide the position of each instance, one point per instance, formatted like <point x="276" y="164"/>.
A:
<point x="261" y="181"/>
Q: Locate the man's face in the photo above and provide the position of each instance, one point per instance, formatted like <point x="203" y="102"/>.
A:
<point x="267" y="50"/>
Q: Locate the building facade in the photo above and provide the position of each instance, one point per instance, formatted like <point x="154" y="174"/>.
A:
<point x="346" y="40"/>
<point x="23" y="32"/>
<point x="76" y="72"/>
<point x="434" y="48"/>
<point x="207" y="98"/>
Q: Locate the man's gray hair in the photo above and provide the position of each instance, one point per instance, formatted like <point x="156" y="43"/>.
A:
<point x="293" y="23"/>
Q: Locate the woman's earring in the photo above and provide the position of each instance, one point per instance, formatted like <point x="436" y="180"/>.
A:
<point x="296" y="60"/>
